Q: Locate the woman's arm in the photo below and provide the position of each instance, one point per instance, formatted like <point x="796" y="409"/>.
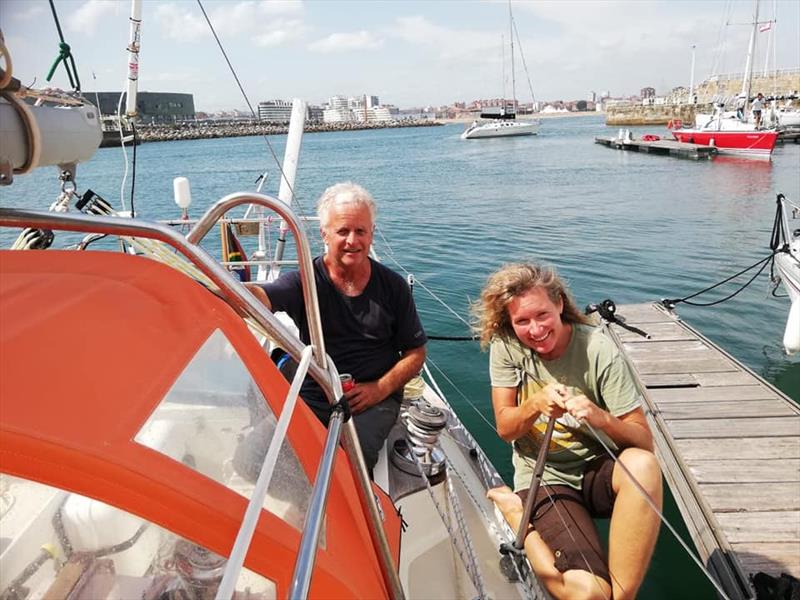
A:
<point x="515" y="421"/>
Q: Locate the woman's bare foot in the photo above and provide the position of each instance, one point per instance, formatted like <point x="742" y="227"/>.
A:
<point x="506" y="500"/>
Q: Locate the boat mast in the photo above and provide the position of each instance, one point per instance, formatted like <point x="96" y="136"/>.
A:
<point x="134" y="39"/>
<point x="748" y="68"/>
<point x="513" y="75"/>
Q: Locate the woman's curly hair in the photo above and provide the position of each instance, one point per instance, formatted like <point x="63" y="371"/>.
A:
<point x="490" y="312"/>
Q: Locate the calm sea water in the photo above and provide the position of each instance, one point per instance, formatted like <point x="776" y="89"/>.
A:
<point x="618" y="225"/>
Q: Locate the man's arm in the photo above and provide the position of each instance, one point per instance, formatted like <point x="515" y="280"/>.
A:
<point x="259" y="293"/>
<point x="370" y="393"/>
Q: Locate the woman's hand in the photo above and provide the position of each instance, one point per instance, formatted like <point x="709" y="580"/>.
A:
<point x="585" y="410"/>
<point x="550" y="400"/>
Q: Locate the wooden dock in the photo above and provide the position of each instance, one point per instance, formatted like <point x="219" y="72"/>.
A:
<point x="729" y="447"/>
<point x="663" y="147"/>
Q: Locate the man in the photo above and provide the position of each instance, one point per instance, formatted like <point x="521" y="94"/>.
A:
<point x="369" y="321"/>
<point x="547" y="361"/>
<point x="758" y="106"/>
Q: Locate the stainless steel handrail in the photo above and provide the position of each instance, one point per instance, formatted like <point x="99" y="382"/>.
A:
<point x="215" y="212"/>
<point x="245" y="303"/>
<point x="303" y="568"/>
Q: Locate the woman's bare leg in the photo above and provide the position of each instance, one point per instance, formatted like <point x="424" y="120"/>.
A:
<point x="573" y="584"/>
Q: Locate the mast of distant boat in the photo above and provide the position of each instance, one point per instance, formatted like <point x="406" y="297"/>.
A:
<point x="513" y="73"/>
<point x="748" y="68"/>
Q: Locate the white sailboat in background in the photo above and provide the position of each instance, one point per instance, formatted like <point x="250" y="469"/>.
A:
<point x="786" y="245"/>
<point x="502" y="121"/>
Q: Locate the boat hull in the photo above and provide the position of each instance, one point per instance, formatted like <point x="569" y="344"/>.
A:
<point x="756" y="144"/>
<point x="501" y="129"/>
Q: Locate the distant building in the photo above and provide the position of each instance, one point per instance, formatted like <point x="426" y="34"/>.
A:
<point x="152" y="107"/>
<point x="647" y="92"/>
<point x="315" y="113"/>
<point x="275" y="111"/>
<point x="591" y="97"/>
<point x="373" y="102"/>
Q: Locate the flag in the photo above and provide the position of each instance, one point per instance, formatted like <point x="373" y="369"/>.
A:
<point x="235" y="254"/>
<point x="765" y="27"/>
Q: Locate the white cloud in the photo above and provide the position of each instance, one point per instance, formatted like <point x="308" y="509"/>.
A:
<point x="88" y="17"/>
<point x="264" y="23"/>
<point x="450" y="44"/>
<point x="345" y="42"/>
<point x="180" y="24"/>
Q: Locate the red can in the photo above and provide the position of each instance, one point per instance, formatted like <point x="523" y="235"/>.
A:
<point x="348" y="383"/>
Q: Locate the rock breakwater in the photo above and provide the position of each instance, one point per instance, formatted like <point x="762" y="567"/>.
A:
<point x="200" y="131"/>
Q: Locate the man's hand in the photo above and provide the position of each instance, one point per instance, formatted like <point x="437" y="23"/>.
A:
<point x="364" y="395"/>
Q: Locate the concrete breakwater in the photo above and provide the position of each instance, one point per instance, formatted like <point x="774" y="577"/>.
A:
<point x="200" y="131"/>
<point x="653" y="115"/>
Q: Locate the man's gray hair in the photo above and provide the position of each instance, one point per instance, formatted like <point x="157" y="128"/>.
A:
<point x="346" y="192"/>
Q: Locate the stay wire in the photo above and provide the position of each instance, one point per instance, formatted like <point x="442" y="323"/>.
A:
<point x="249" y="105"/>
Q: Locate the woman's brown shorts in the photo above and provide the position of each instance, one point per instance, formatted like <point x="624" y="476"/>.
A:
<point x="563" y="517"/>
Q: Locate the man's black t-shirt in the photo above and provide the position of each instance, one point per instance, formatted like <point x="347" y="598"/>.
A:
<point x="363" y="334"/>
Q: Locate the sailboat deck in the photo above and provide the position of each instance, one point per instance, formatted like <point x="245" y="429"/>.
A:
<point x="728" y="443"/>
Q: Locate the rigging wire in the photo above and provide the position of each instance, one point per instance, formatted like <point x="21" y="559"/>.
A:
<point x="660" y="514"/>
<point x="249" y="105"/>
<point x="133" y="168"/>
<point x="524" y="64"/>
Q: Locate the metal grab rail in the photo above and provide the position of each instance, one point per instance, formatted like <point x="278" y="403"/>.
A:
<point x="214" y="214"/>
<point x="304" y="567"/>
<point x="239" y="298"/>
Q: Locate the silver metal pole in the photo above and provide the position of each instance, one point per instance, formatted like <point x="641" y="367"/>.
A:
<point x="213" y="214"/>
<point x="303" y="568"/>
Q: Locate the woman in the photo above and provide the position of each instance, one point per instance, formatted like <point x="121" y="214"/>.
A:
<point x="547" y="361"/>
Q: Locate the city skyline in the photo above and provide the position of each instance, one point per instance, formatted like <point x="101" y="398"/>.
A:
<point x="410" y="54"/>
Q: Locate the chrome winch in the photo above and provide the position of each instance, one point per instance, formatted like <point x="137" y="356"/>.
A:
<point x="420" y="447"/>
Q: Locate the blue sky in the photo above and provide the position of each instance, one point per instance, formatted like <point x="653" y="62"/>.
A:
<point x="407" y="53"/>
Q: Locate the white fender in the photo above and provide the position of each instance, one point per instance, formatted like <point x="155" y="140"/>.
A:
<point x="791" y="337"/>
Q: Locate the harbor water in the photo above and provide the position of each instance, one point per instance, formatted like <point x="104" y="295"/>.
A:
<point x="630" y="227"/>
